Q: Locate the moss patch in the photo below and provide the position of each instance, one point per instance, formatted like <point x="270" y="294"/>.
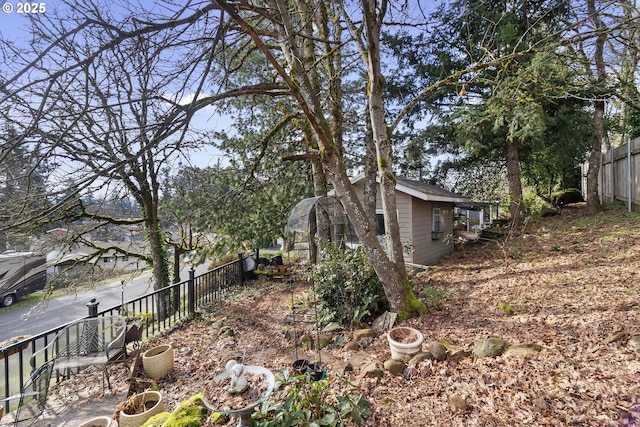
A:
<point x="190" y="413"/>
<point x="413" y="306"/>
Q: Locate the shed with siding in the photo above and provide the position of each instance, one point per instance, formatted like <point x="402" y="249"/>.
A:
<point x="425" y="215"/>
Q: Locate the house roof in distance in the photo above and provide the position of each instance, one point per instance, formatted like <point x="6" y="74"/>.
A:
<point x="422" y="190"/>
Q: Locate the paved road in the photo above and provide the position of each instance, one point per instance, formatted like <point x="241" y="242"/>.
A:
<point x="66" y="308"/>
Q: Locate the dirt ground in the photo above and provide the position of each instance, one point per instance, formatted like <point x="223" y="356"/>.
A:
<point x="569" y="285"/>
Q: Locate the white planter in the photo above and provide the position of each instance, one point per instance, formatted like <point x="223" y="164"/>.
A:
<point x="136" y="420"/>
<point x="100" y="422"/>
<point x="404" y="342"/>
<point x="158" y="361"/>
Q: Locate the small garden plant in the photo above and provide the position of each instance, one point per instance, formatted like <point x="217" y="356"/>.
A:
<point x="347" y="286"/>
<point x="300" y="400"/>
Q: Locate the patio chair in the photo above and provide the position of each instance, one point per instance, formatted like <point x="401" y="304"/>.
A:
<point x="33" y="397"/>
<point x="86" y="342"/>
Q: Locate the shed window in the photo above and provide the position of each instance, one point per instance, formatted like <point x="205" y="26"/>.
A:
<point x="380" y="230"/>
<point x="435" y="220"/>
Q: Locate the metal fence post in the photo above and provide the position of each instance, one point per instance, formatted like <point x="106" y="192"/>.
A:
<point x="191" y="294"/>
<point x="241" y="269"/>
<point x="93" y="307"/>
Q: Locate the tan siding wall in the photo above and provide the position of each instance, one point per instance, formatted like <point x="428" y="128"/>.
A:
<point x="421" y="228"/>
<point x="426" y="250"/>
<point x="414" y="216"/>
<point x="405" y="208"/>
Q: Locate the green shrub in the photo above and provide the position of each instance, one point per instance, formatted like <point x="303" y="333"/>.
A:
<point x="300" y="401"/>
<point x="533" y="205"/>
<point x="564" y="197"/>
<point x="347" y="286"/>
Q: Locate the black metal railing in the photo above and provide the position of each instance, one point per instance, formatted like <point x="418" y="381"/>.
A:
<point x="160" y="310"/>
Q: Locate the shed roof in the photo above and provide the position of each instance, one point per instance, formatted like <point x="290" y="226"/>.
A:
<point x="422" y="190"/>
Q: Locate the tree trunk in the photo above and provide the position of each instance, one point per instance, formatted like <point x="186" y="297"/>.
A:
<point x="370" y="174"/>
<point x="593" y="199"/>
<point x="393" y="277"/>
<point x="159" y="256"/>
<point x="515" y="183"/>
<point x="381" y="137"/>
<point x="295" y="75"/>
<point x="177" y="252"/>
<point x="320" y="225"/>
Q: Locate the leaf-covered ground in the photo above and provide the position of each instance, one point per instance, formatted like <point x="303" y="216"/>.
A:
<point x="569" y="284"/>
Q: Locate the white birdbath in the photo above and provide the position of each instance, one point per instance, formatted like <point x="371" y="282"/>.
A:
<point x="236" y="373"/>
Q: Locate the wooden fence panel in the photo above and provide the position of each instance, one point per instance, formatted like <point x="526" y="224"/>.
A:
<point x="619" y="175"/>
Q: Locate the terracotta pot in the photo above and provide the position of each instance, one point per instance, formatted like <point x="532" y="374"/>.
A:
<point x="136" y="420"/>
<point x="158" y="361"/>
<point x="404" y="342"/>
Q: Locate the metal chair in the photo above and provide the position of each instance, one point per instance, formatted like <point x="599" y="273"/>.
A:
<point x="33" y="397"/>
<point x="86" y="342"/>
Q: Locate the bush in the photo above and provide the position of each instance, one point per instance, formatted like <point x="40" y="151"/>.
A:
<point x="564" y="197"/>
<point x="300" y="401"/>
<point x="533" y="205"/>
<point x="347" y="286"/>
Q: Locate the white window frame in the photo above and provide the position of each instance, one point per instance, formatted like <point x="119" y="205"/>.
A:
<point x="436" y="220"/>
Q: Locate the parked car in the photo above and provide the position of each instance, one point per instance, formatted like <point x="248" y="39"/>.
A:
<point x="21" y="273"/>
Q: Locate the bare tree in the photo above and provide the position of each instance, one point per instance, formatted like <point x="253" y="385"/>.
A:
<point x="109" y="117"/>
<point x="187" y="46"/>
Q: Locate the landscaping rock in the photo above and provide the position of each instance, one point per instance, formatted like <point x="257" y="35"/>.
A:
<point x="384" y="322"/>
<point x="359" y="358"/>
<point x="372" y="370"/>
<point x="490" y="347"/>
<point x="458" y="353"/>
<point x="523" y="350"/>
<point x="217" y="326"/>
<point x="634" y="342"/>
<point x="227" y="331"/>
<point x="438" y="350"/>
<point x="541" y="404"/>
<point x="420" y="357"/>
<point x="365" y="342"/>
<point x="618" y="336"/>
<point x="324" y="340"/>
<point x="342" y="367"/>
<point x="351" y="346"/>
<point x="457" y="404"/>
<point x="394" y="367"/>
<point x="358" y="334"/>
<point x="289" y="333"/>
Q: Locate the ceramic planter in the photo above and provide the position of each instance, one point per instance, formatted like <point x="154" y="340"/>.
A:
<point x="404" y="342"/>
<point x="100" y="422"/>
<point x="158" y="361"/>
<point x="155" y="404"/>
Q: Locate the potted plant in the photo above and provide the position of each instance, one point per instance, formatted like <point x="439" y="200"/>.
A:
<point x="136" y="410"/>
